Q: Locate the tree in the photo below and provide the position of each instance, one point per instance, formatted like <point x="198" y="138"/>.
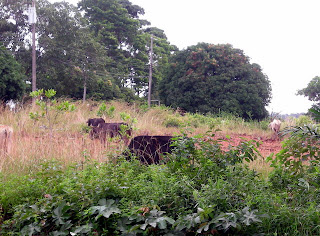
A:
<point x="12" y="79"/>
<point x="116" y="26"/>
<point x="126" y="40"/>
<point x="103" y="55"/>
<point x="162" y="50"/>
<point x="63" y="59"/>
<point x="72" y="61"/>
<point x="15" y="31"/>
<point x="214" y="78"/>
<point x="312" y="91"/>
<point x="14" y="25"/>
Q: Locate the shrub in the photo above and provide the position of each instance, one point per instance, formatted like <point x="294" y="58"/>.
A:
<point x="301" y="146"/>
<point x="202" y="189"/>
<point x="173" y="122"/>
<point x="303" y="120"/>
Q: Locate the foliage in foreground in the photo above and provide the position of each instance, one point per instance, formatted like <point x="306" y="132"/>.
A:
<point x="202" y="190"/>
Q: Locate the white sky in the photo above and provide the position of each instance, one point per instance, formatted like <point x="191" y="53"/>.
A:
<point x="282" y="36"/>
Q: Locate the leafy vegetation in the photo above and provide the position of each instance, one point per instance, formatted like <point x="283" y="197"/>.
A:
<point x="213" y="78"/>
<point x="202" y="189"/>
<point x="127" y="197"/>
<point x="50" y="108"/>
<point x="100" y="50"/>
<point x="62" y="183"/>
<point x="12" y="84"/>
<point x="312" y="91"/>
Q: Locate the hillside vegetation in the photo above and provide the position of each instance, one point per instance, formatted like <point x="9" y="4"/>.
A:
<point x="57" y="181"/>
<point x="70" y="142"/>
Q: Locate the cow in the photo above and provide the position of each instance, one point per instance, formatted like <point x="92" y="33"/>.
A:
<point x="94" y="122"/>
<point x="112" y="130"/>
<point x="6" y="133"/>
<point x="275" y="127"/>
<point x="181" y="111"/>
<point x="149" y="148"/>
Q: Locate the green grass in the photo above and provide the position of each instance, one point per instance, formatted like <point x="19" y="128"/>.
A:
<point x="66" y="183"/>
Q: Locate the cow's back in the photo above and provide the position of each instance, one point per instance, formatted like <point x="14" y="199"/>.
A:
<point x="95" y="121"/>
<point x="149" y="148"/>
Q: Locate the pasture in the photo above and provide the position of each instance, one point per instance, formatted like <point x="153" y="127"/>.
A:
<point x="70" y="142"/>
<point x="57" y="181"/>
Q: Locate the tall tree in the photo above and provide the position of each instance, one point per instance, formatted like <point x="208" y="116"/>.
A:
<point x="116" y="27"/>
<point x="64" y="51"/>
<point x="214" y="78"/>
<point x="14" y="25"/>
<point x="107" y="51"/>
<point x="312" y="91"/>
<point x="15" y="31"/>
<point x="162" y="50"/>
<point x="72" y="61"/>
<point x="126" y="39"/>
<point x="12" y="79"/>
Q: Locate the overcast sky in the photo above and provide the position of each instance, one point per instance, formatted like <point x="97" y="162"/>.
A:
<point x="282" y="36"/>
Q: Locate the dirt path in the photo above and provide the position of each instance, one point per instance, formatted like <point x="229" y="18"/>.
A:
<point x="267" y="145"/>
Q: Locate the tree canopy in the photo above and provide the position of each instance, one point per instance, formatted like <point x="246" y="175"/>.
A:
<point x="216" y="78"/>
<point x="99" y="49"/>
<point x="312" y="91"/>
<point x="12" y="79"/>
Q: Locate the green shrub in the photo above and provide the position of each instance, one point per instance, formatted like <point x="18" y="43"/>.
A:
<point x="85" y="128"/>
<point x="173" y="122"/>
<point x="264" y="124"/>
<point x="304" y="120"/>
<point x="196" y="120"/>
<point x="104" y="111"/>
<point x="201" y="189"/>
<point x="302" y="145"/>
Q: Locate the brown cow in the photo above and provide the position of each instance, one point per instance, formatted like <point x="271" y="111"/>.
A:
<point x="6" y="133"/>
<point x="149" y="148"/>
<point x="181" y="111"/>
<point x="112" y="130"/>
<point x="95" y="121"/>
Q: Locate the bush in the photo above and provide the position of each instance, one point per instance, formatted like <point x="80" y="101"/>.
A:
<point x="202" y="189"/>
<point x="173" y="122"/>
<point x="302" y="145"/>
<point x="304" y="120"/>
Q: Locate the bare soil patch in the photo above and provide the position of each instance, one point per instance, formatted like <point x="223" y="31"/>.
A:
<point x="267" y="145"/>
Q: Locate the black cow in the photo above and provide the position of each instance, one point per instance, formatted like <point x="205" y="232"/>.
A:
<point x="111" y="129"/>
<point x="95" y="121"/>
<point x="149" y="148"/>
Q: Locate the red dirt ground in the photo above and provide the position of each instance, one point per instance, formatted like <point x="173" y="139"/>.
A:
<point x="267" y="144"/>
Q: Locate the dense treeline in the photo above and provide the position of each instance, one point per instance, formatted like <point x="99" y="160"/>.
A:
<point x="106" y="49"/>
<point x="100" y="50"/>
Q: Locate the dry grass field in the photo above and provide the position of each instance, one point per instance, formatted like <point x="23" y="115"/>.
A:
<point x="33" y="142"/>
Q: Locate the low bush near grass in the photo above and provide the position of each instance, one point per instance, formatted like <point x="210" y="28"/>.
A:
<point x="201" y="190"/>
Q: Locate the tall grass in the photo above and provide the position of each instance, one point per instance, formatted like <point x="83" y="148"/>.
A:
<point x="69" y="143"/>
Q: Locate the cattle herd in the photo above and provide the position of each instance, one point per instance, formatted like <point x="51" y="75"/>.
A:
<point x="148" y="149"/>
